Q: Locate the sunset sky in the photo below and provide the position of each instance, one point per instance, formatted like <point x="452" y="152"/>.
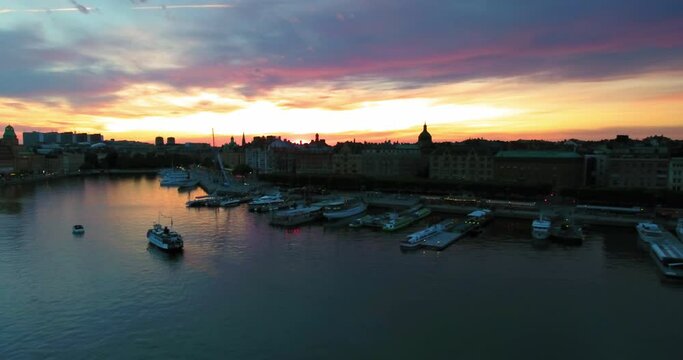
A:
<point x="366" y="69"/>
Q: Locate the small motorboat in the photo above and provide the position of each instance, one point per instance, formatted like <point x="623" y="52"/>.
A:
<point x="78" y="229"/>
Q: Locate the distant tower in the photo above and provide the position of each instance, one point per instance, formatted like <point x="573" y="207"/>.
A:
<point x="425" y="138"/>
<point x="10" y="137"/>
<point x="244" y="140"/>
<point x="170" y="141"/>
<point x="317" y="137"/>
<point x="159" y="141"/>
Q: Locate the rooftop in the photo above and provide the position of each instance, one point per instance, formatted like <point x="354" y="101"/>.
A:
<point x="538" y="154"/>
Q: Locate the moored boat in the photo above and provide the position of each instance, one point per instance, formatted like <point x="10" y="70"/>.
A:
<point x="296" y="216"/>
<point x="649" y="232"/>
<point x="540" y="228"/>
<point x="401" y="221"/>
<point x="265" y="202"/>
<point x="229" y="202"/>
<point x="567" y="232"/>
<point x="668" y="255"/>
<point x="164" y="238"/>
<point x="344" y="208"/>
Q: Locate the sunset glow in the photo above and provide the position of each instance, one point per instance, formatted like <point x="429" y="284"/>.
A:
<point x="344" y="69"/>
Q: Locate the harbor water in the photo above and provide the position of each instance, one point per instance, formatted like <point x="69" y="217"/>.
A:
<point x="245" y="290"/>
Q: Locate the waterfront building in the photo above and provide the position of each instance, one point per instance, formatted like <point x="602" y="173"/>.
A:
<point x="462" y="163"/>
<point x="391" y="160"/>
<point x="348" y="160"/>
<point x="595" y="169"/>
<point x="559" y="169"/>
<point x="676" y="174"/>
<point x="638" y="165"/>
<point x="314" y="158"/>
<point x="6" y="159"/>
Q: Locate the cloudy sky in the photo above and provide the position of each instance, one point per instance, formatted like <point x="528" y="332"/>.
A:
<point x="363" y="69"/>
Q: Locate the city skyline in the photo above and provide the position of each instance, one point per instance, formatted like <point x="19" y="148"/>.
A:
<point x="349" y="70"/>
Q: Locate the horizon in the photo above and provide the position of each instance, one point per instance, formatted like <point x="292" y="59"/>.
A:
<point x="370" y="71"/>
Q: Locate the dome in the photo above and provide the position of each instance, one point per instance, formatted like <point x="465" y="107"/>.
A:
<point x="9" y="133"/>
<point x="425" y="137"/>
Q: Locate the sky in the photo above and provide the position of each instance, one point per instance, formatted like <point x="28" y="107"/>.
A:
<point x="369" y="70"/>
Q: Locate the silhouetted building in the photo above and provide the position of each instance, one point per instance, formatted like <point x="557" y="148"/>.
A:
<point x="66" y="138"/>
<point x="33" y="138"/>
<point x="559" y="169"/>
<point x="391" y="160"/>
<point x="462" y="163"/>
<point x="95" y="138"/>
<point x="10" y="137"/>
<point x="424" y="140"/>
<point x="170" y="141"/>
<point x="6" y="159"/>
<point x="348" y="160"/>
<point x="159" y="141"/>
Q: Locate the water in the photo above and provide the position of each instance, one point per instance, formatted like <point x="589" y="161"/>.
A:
<point x="245" y="290"/>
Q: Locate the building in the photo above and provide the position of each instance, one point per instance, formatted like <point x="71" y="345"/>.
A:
<point x="638" y="172"/>
<point x="170" y="141"/>
<point x="9" y="137"/>
<point x="32" y="139"/>
<point x="348" y="159"/>
<point x="391" y="160"/>
<point x="595" y="169"/>
<point x="461" y="163"/>
<point x="159" y="141"/>
<point x="81" y="138"/>
<point x="65" y="138"/>
<point x="314" y="158"/>
<point x="95" y="138"/>
<point x="7" y="162"/>
<point x="424" y="140"/>
<point x="559" y="169"/>
<point x="676" y="173"/>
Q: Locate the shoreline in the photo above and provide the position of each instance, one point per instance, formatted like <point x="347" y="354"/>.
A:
<point x="31" y="179"/>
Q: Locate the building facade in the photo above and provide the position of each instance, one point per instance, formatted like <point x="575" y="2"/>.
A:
<point x="461" y="163"/>
<point x="559" y="169"/>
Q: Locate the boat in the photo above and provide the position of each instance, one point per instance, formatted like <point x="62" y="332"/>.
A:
<point x="230" y="202"/>
<point x="477" y="219"/>
<point x="164" y="238"/>
<point x="567" y="232"/>
<point x="344" y="208"/>
<point x="265" y="201"/>
<point x="540" y="228"/>
<point x="204" y="201"/>
<point x="401" y="221"/>
<point x="415" y="240"/>
<point x="649" y="232"/>
<point x="296" y="216"/>
<point x="78" y="229"/>
<point x="668" y="255"/>
<point x="679" y="229"/>
<point x="174" y="178"/>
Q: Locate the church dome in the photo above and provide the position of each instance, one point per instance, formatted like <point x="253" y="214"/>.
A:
<point x="9" y="133"/>
<point x="425" y="137"/>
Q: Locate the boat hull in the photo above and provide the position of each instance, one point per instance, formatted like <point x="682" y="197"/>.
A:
<point x="342" y="214"/>
<point x="153" y="240"/>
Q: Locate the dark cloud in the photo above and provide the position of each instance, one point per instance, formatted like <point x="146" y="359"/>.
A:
<point x="258" y="45"/>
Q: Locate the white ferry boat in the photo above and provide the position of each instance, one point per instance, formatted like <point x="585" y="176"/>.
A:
<point x="540" y="228"/>
<point x="164" y="238"/>
<point x="344" y="208"/>
<point x="649" y="232"/>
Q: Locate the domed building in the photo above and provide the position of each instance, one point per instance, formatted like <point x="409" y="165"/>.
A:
<point x="425" y="138"/>
<point x="10" y="137"/>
